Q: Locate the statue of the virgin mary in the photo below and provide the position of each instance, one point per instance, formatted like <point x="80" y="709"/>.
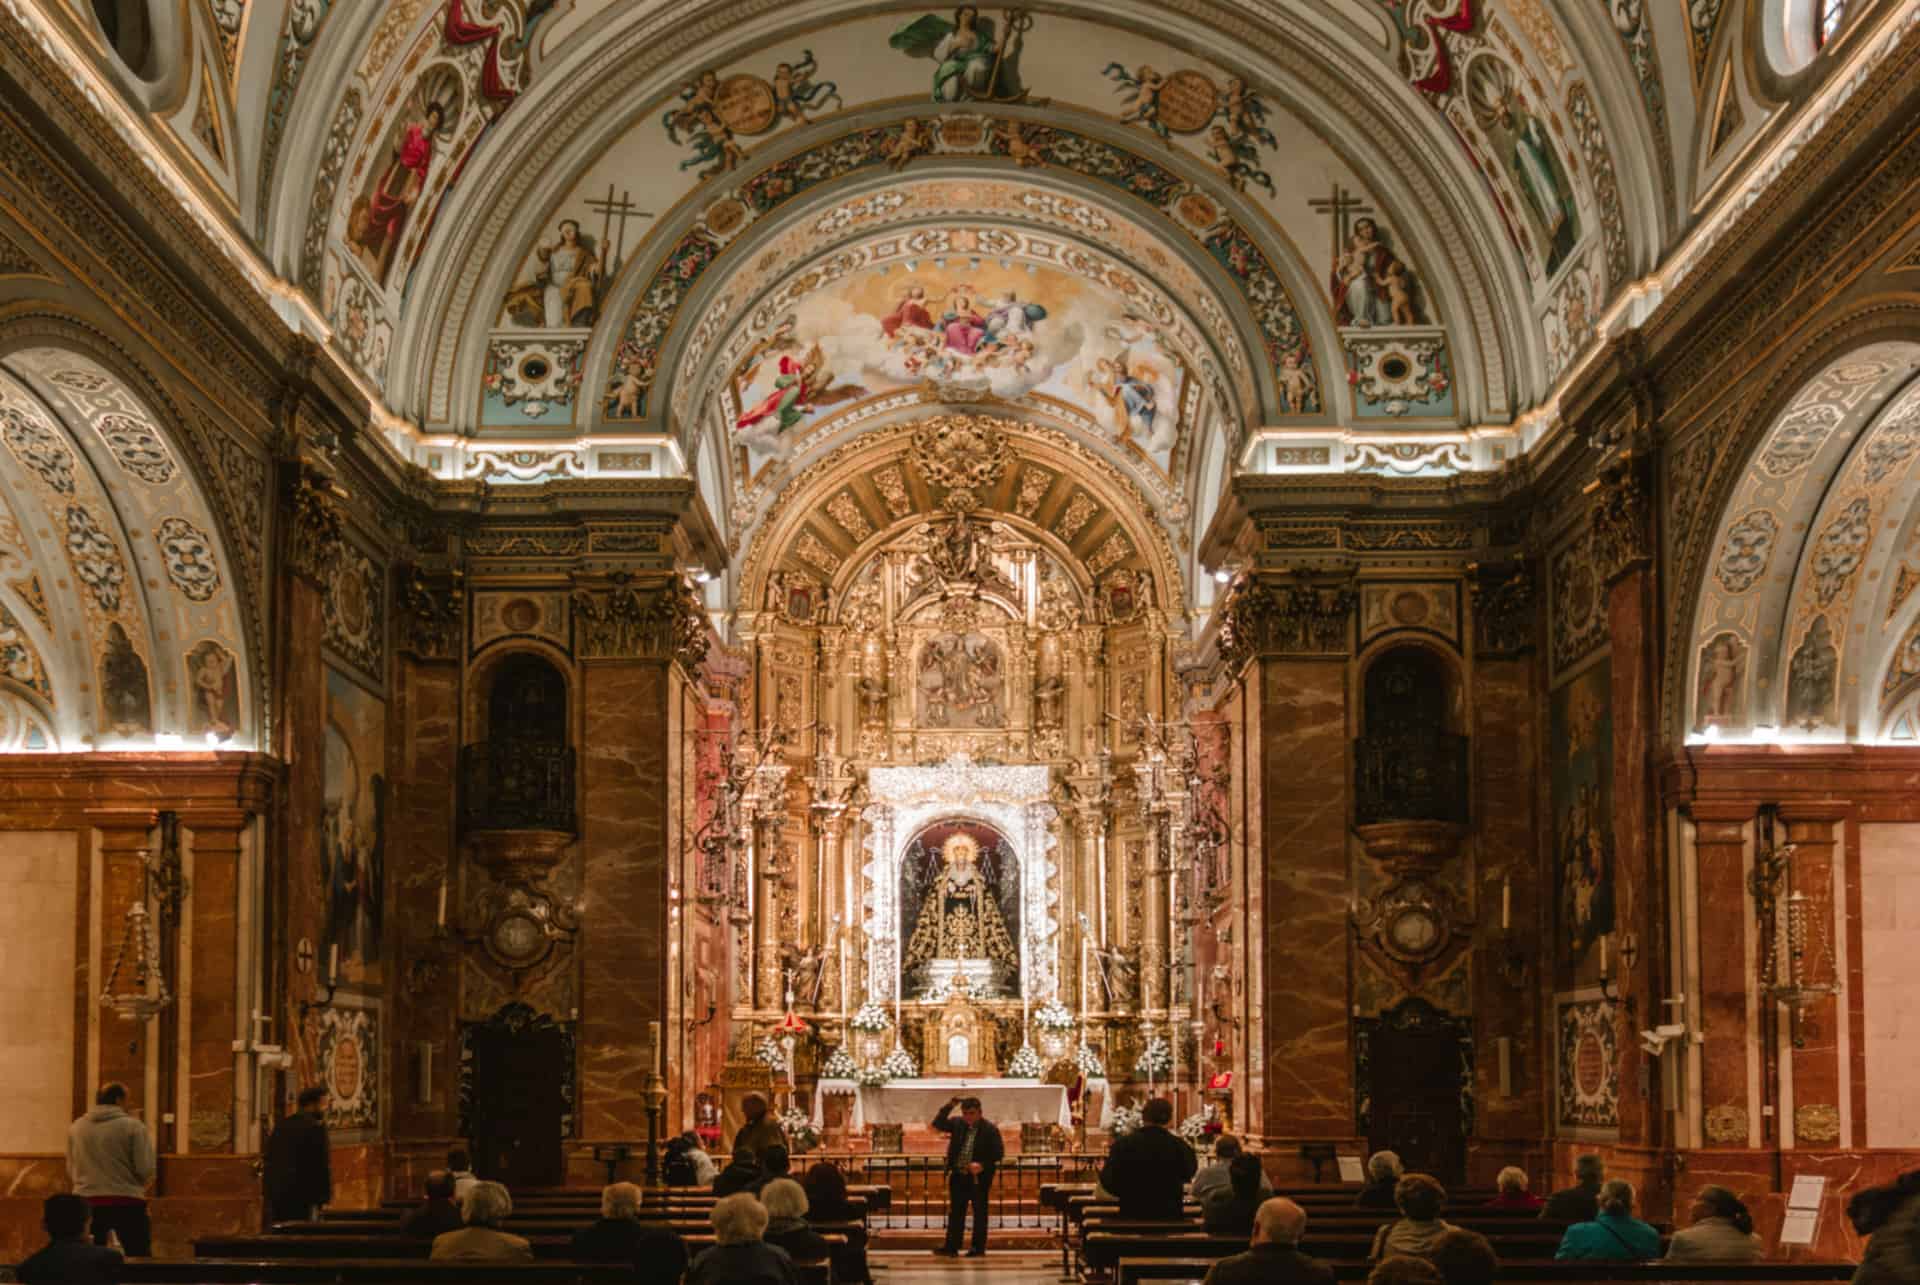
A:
<point x="960" y="917"/>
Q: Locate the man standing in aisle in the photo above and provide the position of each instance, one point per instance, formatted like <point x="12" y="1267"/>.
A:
<point x="110" y="1161"/>
<point x="974" y="1151"/>
<point x="299" y="1161"/>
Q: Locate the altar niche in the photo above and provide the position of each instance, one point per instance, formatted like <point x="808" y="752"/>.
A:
<point x="960" y="892"/>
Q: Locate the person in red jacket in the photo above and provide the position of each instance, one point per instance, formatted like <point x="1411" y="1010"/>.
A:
<point x="1513" y="1192"/>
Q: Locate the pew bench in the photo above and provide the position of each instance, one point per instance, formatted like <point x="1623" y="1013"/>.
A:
<point x="1143" y="1271"/>
<point x="390" y="1246"/>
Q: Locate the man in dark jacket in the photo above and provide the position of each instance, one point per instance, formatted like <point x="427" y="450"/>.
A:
<point x="1230" y="1210"/>
<point x="299" y="1162"/>
<point x="1147" y="1170"/>
<point x="761" y="1130"/>
<point x="438" y="1214"/>
<point x="657" y="1253"/>
<point x="69" y="1257"/>
<point x="743" y="1174"/>
<point x="1273" y="1258"/>
<point x="974" y="1152"/>
<point x="1579" y="1203"/>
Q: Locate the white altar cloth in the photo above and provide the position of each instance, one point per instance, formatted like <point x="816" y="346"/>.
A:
<point x="1008" y="1103"/>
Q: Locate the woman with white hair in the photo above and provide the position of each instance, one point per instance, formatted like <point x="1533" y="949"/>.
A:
<point x="786" y="1202"/>
<point x="1614" y="1234"/>
<point x="657" y="1253"/>
<point x="1514" y="1195"/>
<point x="1383" y="1175"/>
<point x="740" y="1256"/>
<point x="487" y="1206"/>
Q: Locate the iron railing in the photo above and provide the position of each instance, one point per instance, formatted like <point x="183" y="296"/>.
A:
<point x="516" y="785"/>
<point x="1410" y="776"/>
<point x="919" y="1186"/>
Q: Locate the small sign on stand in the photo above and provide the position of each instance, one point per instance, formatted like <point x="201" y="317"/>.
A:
<point x="1802" y="1222"/>
<point x="1351" y="1170"/>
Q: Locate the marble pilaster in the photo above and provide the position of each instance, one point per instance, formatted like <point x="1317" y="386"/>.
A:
<point x="1815" y="1049"/>
<point x="212" y="1001"/>
<point x="1303" y="780"/>
<point x="121" y="836"/>
<point x="1720" y="839"/>
<point x="1638" y="891"/>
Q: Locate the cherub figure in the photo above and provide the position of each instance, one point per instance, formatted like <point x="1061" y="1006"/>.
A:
<point x="1238" y="158"/>
<point x="1021" y="149"/>
<point x="795" y="93"/>
<point x="1143" y="86"/>
<point x="1244" y="113"/>
<point x="627" y="394"/>
<point x="1296" y="382"/>
<point x="914" y="140"/>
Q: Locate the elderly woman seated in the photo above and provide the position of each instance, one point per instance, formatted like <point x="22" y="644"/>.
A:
<point x="1383" y="1174"/>
<point x="1420" y="1199"/>
<point x="786" y="1203"/>
<point x="657" y="1253"/>
<point x="1513" y="1192"/>
<point x="739" y="1255"/>
<point x="1720" y="1231"/>
<point x="487" y="1206"/>
<point x="1615" y="1233"/>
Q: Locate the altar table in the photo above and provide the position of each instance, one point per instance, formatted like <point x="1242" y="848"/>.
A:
<point x="1007" y="1103"/>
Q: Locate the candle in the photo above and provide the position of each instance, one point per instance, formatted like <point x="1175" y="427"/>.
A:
<point x="333" y="962"/>
<point x="1603" y="955"/>
<point x="659" y="1050"/>
<point x="1506" y="904"/>
<point x="442" y="920"/>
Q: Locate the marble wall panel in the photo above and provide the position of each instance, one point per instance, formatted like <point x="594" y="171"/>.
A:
<point x="1890" y="925"/>
<point x="210" y="1005"/>
<point x="1637" y="892"/>
<point x="301" y="894"/>
<point x="39" y="888"/>
<point x="1729" y="1116"/>
<point x="1816" y="1051"/>
<point x="624" y="767"/>
<point x="1305" y="814"/>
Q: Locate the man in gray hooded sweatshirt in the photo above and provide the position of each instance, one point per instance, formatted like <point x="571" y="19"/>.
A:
<point x="110" y="1161"/>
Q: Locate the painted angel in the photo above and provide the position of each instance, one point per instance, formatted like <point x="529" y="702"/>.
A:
<point x="1143" y="87"/>
<point x="803" y="385"/>
<point x="795" y="92"/>
<point x="1132" y="398"/>
<point x="1238" y="157"/>
<point x="972" y="61"/>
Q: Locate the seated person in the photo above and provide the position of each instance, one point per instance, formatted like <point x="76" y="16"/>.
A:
<point x="1719" y="1230"/>
<point x="739" y="1255"/>
<point x="69" y="1255"/>
<point x="460" y="1165"/>
<point x="439" y="1214"/>
<point x="1147" y="1170"/>
<point x="786" y="1205"/>
<point x="1581" y="1202"/>
<point x="1420" y="1199"/>
<point x="1383" y="1175"/>
<point x="775" y="1163"/>
<point x="1229" y="1211"/>
<point x="657" y="1253"/>
<point x="828" y="1202"/>
<point x="1214" y="1177"/>
<point x="1513" y="1192"/>
<point x="488" y="1205"/>
<point x="1465" y="1258"/>
<point x="743" y="1174"/>
<point x="1614" y="1234"/>
<point x="1404" y="1269"/>
<point x="1273" y="1256"/>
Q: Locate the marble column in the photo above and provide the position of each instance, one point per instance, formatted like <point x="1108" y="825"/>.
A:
<point x="626" y="762"/>
<point x="1729" y="1115"/>
<point x="122" y="835"/>
<point x="1637" y="880"/>
<point x="1814" y="829"/>
<point x="213" y="1017"/>
<point x="1304" y="840"/>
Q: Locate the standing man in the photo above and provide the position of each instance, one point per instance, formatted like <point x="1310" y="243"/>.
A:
<point x="1147" y="1170"/>
<point x="761" y="1130"/>
<point x="1579" y="1203"/>
<point x="974" y="1151"/>
<point x="299" y="1162"/>
<point x="110" y="1161"/>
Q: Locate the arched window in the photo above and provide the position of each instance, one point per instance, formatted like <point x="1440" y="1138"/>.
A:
<point x="128" y="27"/>
<point x="1827" y="17"/>
<point x="1795" y="31"/>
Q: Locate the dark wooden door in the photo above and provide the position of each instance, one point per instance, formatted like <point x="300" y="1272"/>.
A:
<point x="517" y="1103"/>
<point x="1416" y="1101"/>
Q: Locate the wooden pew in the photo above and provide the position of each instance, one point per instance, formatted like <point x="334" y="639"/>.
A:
<point x="391" y="1271"/>
<point x="1101" y="1250"/>
<point x="1140" y="1271"/>
<point x="541" y="1226"/>
<point x="389" y="1246"/>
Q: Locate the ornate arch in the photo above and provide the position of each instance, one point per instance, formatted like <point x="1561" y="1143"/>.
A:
<point x="1051" y="483"/>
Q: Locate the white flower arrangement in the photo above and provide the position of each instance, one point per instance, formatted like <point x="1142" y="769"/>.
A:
<point x="1025" y="1064"/>
<point x="871" y="1077"/>
<point x="1156" y="1059"/>
<point x="1054" y="1016"/>
<point x="839" y="1066"/>
<point x="1087" y="1060"/>
<point x="900" y="1065"/>
<point x="1194" y="1127"/>
<point x="1124" y="1121"/>
<point x="871" y="1018"/>
<point x="770" y="1054"/>
<point x="801" y="1135"/>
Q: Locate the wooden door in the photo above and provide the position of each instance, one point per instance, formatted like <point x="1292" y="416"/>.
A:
<point x="517" y="1102"/>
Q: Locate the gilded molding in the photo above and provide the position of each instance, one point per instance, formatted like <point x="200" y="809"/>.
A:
<point x="1292" y="618"/>
<point x="429" y="614"/>
<point x="1504" y="613"/>
<point x="1621" y="522"/>
<point x="314" y="530"/>
<point x="662" y="620"/>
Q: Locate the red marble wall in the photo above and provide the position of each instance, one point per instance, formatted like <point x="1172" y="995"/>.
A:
<point x="1304" y="736"/>
<point x="625" y="759"/>
<point x="1638" y="861"/>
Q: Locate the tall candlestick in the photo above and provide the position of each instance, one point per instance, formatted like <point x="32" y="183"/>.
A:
<point x="442" y="920"/>
<point x="1506" y="903"/>
<point x="659" y="1049"/>
<point x="1603" y="954"/>
<point x="333" y="962"/>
